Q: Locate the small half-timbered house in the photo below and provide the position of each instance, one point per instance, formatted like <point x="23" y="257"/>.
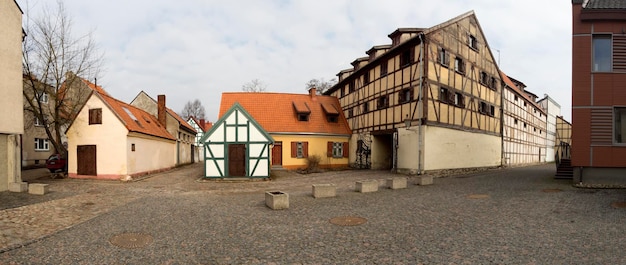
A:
<point x="237" y="147"/>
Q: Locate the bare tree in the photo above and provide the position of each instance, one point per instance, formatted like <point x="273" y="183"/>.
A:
<point x="193" y="108"/>
<point x="255" y="85"/>
<point x="320" y="85"/>
<point x="51" y="54"/>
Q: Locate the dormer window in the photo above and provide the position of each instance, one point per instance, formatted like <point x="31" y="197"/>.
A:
<point x="332" y="114"/>
<point x="302" y="111"/>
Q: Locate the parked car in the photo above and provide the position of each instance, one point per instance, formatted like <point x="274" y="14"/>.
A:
<point x="56" y="162"/>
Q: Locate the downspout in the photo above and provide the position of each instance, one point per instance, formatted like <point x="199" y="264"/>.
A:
<point x="420" y="143"/>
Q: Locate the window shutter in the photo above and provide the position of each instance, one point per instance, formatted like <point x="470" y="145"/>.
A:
<point x="294" y="149"/>
<point x="329" y="149"/>
<point x="451" y="96"/>
<point x="305" y="149"/>
<point x="346" y="150"/>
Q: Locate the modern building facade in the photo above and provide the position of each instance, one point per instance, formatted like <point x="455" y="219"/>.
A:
<point x="599" y="91"/>
<point x="11" y="104"/>
<point x="431" y="100"/>
<point x="524" y="126"/>
<point x="553" y="110"/>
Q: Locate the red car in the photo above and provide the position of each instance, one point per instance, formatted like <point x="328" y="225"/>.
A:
<point x="56" y="162"/>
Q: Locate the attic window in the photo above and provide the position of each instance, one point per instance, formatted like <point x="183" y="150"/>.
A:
<point x="332" y="114"/>
<point x="95" y="116"/>
<point x="472" y="41"/>
<point x="302" y="111"/>
<point x="129" y="113"/>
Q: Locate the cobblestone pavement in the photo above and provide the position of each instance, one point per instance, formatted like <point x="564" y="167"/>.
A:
<point x="508" y="216"/>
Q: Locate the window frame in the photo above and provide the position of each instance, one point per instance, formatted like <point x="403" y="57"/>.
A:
<point x="443" y="57"/>
<point x="95" y="116"/>
<point x="406" y="57"/>
<point x="42" y="144"/>
<point x="337" y="151"/>
<point x="382" y="102"/>
<point x="594" y="51"/>
<point x="472" y="42"/>
<point x="384" y="68"/>
<point x="459" y="65"/>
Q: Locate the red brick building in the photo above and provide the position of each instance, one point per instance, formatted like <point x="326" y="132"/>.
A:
<point x="599" y="91"/>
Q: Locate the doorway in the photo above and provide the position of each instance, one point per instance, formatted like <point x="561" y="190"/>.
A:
<point x="86" y="159"/>
<point x="277" y="154"/>
<point x="236" y="160"/>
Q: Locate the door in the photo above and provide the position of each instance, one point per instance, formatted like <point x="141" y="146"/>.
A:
<point x="86" y="159"/>
<point x="236" y="160"/>
<point x="277" y="154"/>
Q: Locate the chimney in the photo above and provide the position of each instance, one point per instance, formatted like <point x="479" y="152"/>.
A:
<point x="161" y="110"/>
<point x="312" y="92"/>
<point x="202" y="123"/>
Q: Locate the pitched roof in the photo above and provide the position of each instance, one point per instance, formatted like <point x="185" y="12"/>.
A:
<point x="276" y="112"/>
<point x="521" y="93"/>
<point x="135" y="119"/>
<point x="605" y="4"/>
<point x="180" y="120"/>
<point x="94" y="87"/>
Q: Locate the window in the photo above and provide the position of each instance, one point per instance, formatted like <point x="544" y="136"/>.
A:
<point x="303" y="116"/>
<point x="383" y="102"/>
<point x="524" y="125"/>
<point x="38" y="122"/>
<point x="300" y="149"/>
<point x="332" y="118"/>
<point x="337" y="149"/>
<point x="383" y="68"/>
<point x="406" y="58"/>
<point x="493" y="83"/>
<point x="405" y="95"/>
<point x="601" y="53"/>
<point x="132" y="147"/>
<point x="484" y="78"/>
<point x="342" y="91"/>
<point x="443" y="57"/>
<point x="350" y="113"/>
<point x="515" y="122"/>
<point x="515" y="98"/>
<point x="42" y="97"/>
<point x="351" y="87"/>
<point x="459" y="100"/>
<point x="95" y="116"/>
<point x="459" y="65"/>
<point x="444" y="95"/>
<point x="366" y="107"/>
<point x="41" y="144"/>
<point x="366" y="77"/>
<point x="620" y="125"/>
<point x="472" y="41"/>
<point x="487" y="109"/>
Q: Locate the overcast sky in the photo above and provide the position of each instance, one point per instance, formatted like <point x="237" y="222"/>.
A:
<point x="190" y="49"/>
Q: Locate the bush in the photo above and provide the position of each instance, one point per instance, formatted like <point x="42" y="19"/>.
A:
<point x="313" y="163"/>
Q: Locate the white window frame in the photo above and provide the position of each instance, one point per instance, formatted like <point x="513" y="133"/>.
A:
<point x="337" y="150"/>
<point x="300" y="150"/>
<point x="42" y="144"/>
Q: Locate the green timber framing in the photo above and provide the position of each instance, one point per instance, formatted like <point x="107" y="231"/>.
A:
<point x="217" y="141"/>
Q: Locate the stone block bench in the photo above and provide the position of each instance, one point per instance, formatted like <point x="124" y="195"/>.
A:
<point x="367" y="185"/>
<point x="38" y="188"/>
<point x="424" y="180"/>
<point x="396" y="183"/>
<point x="324" y="190"/>
<point x="18" y="186"/>
<point x="276" y="200"/>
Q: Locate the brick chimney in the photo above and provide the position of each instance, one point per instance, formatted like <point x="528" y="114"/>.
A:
<point x="312" y="92"/>
<point x="161" y="110"/>
<point x="202" y="124"/>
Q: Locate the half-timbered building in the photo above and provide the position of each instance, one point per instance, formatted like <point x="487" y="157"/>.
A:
<point x="524" y="125"/>
<point x="431" y="100"/>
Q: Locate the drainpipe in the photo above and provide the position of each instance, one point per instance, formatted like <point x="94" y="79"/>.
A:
<point x="420" y="143"/>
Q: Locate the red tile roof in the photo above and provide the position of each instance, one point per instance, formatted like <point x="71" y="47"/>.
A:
<point x="94" y="87"/>
<point x="181" y="121"/>
<point x="526" y="97"/>
<point x="276" y="112"/>
<point x="142" y="122"/>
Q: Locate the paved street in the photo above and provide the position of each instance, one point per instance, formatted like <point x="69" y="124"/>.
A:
<point x="504" y="216"/>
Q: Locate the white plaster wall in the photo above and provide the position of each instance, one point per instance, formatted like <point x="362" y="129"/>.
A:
<point x="408" y="151"/>
<point x="151" y="153"/>
<point x="447" y="148"/>
<point x="11" y="86"/>
<point x="109" y="138"/>
<point x="211" y="169"/>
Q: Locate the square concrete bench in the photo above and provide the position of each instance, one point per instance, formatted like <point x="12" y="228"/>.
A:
<point x="424" y="180"/>
<point x="367" y="185"/>
<point x="324" y="190"/>
<point x="276" y="200"/>
<point x="18" y="186"/>
<point x="396" y="183"/>
<point x="38" y="188"/>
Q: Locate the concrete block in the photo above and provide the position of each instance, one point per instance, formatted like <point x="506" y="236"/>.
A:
<point x="38" y="188"/>
<point x="276" y="200"/>
<point x="424" y="180"/>
<point x="324" y="190"/>
<point x="396" y="183"/>
<point x="367" y="186"/>
<point x="18" y="186"/>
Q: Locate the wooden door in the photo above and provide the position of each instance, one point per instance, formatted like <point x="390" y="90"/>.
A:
<point x="277" y="154"/>
<point x="86" y="159"/>
<point x="236" y="160"/>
